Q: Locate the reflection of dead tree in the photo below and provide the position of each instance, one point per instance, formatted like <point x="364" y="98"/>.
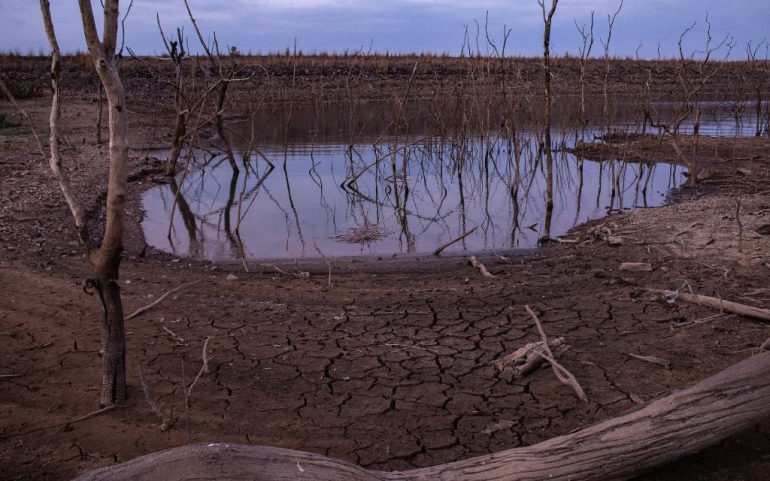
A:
<point x="400" y="204"/>
<point x="618" y="448"/>
<point x="758" y="80"/>
<point x="693" y="77"/>
<point x="188" y="217"/>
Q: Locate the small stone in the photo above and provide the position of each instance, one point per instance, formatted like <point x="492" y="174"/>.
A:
<point x="743" y="171"/>
<point x="636" y="398"/>
<point x="231" y="277"/>
<point x="706" y="173"/>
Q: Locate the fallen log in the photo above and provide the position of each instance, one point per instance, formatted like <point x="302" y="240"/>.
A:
<point x="616" y="449"/>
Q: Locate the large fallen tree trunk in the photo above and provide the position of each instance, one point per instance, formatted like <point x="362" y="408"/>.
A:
<point x="615" y="449"/>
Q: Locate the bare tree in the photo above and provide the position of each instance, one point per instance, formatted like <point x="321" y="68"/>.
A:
<point x="177" y="53"/>
<point x="547" y="19"/>
<point x="103" y="257"/>
<point x="587" y="37"/>
<point x="225" y="78"/>
<point x="757" y="80"/>
<point x="606" y="89"/>
<point x="693" y="76"/>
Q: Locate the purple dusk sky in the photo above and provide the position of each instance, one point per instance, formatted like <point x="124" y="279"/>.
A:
<point x="403" y="25"/>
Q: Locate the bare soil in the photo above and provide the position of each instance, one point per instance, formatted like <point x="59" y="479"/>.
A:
<point x="387" y="367"/>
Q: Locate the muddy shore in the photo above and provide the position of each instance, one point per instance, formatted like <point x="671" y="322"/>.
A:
<point x="387" y="365"/>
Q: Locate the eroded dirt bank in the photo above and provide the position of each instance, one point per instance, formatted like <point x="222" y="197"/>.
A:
<point x="389" y="367"/>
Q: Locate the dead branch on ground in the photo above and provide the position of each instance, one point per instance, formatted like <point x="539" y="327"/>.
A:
<point x="528" y="358"/>
<point x="203" y="370"/>
<point x="715" y="303"/>
<point x="166" y="422"/>
<point x="149" y="306"/>
<point x="564" y="376"/>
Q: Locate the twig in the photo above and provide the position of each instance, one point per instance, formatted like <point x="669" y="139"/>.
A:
<point x="478" y="265"/>
<point x="564" y="376"/>
<point x="740" y="224"/>
<point x="205" y="354"/>
<point x="204" y="369"/>
<point x="441" y="248"/>
<point x="177" y="338"/>
<point x="297" y="273"/>
<point x="165" y="421"/>
<point x="697" y="321"/>
<point x="328" y="264"/>
<point x="765" y="345"/>
<point x="157" y="301"/>
<point x="184" y="393"/>
<point x="652" y="360"/>
<point x="92" y="414"/>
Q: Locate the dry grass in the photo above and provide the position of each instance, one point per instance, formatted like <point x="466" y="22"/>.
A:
<point x="362" y="235"/>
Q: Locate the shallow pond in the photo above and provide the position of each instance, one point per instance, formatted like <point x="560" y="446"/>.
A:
<point x="427" y="193"/>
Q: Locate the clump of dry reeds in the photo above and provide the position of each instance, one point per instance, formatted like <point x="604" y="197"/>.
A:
<point x="362" y="235"/>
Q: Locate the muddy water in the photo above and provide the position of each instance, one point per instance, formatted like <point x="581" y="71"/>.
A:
<point x="427" y="193"/>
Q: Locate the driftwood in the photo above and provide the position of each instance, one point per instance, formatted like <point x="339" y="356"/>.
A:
<point x="616" y="449"/>
<point x="562" y="374"/>
<point x="528" y="358"/>
<point x="721" y="304"/>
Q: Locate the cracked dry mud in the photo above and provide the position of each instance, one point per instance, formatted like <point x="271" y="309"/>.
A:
<point x="390" y="366"/>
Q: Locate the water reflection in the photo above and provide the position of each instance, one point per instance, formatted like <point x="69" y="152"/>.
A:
<point x="395" y="195"/>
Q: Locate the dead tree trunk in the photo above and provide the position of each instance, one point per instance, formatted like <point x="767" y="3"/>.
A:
<point x="616" y="449"/>
<point x="105" y="260"/>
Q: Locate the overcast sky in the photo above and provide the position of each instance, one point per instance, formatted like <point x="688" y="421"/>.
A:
<point x="401" y="25"/>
